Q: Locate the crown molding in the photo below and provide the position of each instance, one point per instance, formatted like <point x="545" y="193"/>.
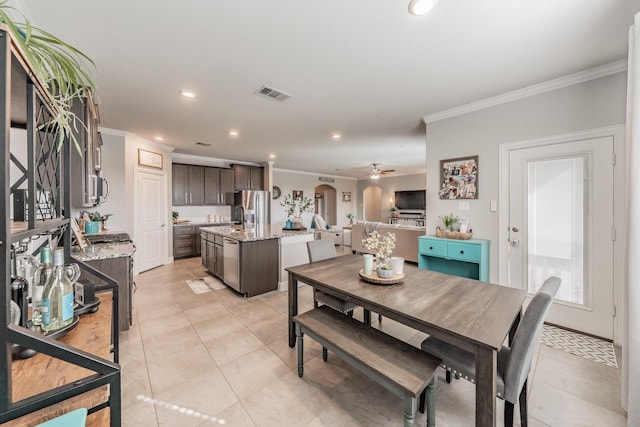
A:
<point x="555" y="84"/>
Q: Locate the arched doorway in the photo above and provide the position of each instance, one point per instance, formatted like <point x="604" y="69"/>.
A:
<point x="372" y="203"/>
<point x="325" y="203"/>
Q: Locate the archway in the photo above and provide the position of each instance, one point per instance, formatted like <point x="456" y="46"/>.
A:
<point x="372" y="203"/>
<point x="325" y="203"/>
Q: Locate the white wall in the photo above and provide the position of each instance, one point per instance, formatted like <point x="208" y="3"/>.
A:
<point x="389" y="185"/>
<point x="593" y="104"/>
<point x="307" y="182"/>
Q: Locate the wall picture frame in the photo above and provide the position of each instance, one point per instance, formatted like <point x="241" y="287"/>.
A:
<point x="297" y="194"/>
<point x="149" y="158"/>
<point x="459" y="178"/>
<point x="346" y="196"/>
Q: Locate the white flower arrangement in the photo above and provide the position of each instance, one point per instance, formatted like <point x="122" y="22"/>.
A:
<point x="382" y="246"/>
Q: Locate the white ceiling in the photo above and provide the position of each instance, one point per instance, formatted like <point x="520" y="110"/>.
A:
<point x="364" y="68"/>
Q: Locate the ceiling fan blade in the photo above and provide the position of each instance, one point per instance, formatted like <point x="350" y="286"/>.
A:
<point x="387" y="171"/>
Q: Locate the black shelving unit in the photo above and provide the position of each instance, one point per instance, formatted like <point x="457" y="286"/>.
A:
<point x="25" y="103"/>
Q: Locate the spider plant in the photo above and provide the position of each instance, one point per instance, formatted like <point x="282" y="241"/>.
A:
<point x="62" y="68"/>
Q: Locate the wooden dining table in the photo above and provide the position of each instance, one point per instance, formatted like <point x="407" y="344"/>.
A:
<point x="472" y="315"/>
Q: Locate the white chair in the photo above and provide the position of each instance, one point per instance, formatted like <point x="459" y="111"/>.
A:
<point x="326" y="232"/>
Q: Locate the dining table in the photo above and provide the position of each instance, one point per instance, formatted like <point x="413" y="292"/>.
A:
<point x="472" y="315"/>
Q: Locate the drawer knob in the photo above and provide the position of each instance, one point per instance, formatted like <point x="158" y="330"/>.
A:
<point x="430" y="248"/>
<point x="461" y="252"/>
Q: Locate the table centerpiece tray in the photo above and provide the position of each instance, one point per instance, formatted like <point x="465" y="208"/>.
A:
<point x="373" y="278"/>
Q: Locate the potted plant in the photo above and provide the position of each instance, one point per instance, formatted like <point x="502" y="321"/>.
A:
<point x="449" y="221"/>
<point x="394" y="212"/>
<point x="62" y="68"/>
<point x="382" y="246"/>
<point x="351" y="218"/>
<point x="294" y="208"/>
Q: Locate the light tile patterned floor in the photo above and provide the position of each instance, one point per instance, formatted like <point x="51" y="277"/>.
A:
<point x="591" y="348"/>
<point x="193" y="360"/>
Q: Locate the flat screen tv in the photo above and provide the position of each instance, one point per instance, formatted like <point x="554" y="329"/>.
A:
<point x="414" y="199"/>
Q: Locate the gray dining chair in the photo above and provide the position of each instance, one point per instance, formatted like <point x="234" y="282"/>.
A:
<point x="514" y="363"/>
<point x="320" y="250"/>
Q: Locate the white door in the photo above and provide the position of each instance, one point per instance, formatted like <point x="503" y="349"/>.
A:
<point x="151" y="213"/>
<point x="560" y="224"/>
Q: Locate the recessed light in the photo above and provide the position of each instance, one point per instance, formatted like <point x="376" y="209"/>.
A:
<point x="272" y="156"/>
<point x="421" y="7"/>
<point x="158" y="138"/>
<point x="187" y="93"/>
<point x="233" y="133"/>
<point x="336" y="136"/>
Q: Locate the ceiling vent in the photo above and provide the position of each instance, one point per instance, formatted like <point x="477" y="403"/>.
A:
<point x="274" y="94"/>
<point x="203" y="144"/>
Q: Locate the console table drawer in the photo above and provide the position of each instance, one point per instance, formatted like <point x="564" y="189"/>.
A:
<point x="432" y="247"/>
<point x="463" y="252"/>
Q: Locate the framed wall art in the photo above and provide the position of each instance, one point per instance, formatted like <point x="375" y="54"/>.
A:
<point x="297" y="194"/>
<point x="459" y="178"/>
<point x="346" y="196"/>
<point x="149" y="158"/>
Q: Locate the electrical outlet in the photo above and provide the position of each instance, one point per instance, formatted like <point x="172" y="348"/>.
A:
<point x="463" y="206"/>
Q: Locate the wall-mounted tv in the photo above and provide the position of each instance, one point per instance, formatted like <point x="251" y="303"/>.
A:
<point x="414" y="199"/>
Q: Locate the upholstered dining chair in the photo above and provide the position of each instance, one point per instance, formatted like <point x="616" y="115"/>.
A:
<point x="320" y="250"/>
<point x="514" y="363"/>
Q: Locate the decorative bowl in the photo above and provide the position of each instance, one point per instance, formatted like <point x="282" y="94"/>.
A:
<point x="384" y="273"/>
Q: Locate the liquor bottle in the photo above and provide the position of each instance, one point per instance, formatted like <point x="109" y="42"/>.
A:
<point x="57" y="300"/>
<point x="40" y="278"/>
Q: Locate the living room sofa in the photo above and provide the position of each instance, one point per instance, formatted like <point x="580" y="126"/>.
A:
<point x="406" y="238"/>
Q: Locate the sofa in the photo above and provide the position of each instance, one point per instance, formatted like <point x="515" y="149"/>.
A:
<point x="406" y="238"/>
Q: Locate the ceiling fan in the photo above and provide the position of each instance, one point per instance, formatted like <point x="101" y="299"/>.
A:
<point x="375" y="172"/>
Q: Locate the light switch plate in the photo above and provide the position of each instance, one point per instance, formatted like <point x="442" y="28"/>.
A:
<point x="494" y="206"/>
<point x="463" y="206"/>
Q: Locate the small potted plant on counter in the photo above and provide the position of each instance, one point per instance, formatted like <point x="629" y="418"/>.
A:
<point x="351" y="218"/>
<point x="449" y="221"/>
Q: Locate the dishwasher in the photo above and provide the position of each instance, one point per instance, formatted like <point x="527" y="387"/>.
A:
<point x="231" y="264"/>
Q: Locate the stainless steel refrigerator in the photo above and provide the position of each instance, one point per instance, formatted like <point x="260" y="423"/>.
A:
<point x="251" y="207"/>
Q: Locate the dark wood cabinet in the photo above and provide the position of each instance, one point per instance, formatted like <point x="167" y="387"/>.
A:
<point x="187" y="185"/>
<point x="259" y="261"/>
<point x="212" y="186"/>
<point x="226" y="186"/>
<point x="218" y="258"/>
<point x="184" y="241"/>
<point x="248" y="177"/>
<point x="212" y="254"/>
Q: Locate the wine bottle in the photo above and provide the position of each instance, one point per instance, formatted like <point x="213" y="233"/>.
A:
<point x="19" y="289"/>
<point x="40" y="278"/>
<point x="57" y="300"/>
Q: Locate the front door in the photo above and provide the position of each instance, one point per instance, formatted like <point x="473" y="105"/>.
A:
<point x="560" y="224"/>
<point x="151" y="213"/>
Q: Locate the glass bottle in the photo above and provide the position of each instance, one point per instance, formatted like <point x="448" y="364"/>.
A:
<point x="19" y="291"/>
<point x="57" y="301"/>
<point x="40" y="278"/>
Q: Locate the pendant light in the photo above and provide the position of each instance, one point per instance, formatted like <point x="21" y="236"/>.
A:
<point x="421" y="7"/>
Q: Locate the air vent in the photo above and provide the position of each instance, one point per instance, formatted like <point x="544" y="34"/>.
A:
<point x="271" y="93"/>
<point x="204" y="144"/>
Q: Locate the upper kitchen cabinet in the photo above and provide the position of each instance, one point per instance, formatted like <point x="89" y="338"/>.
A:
<point x="86" y="163"/>
<point x="187" y="185"/>
<point x="248" y="177"/>
<point x="218" y="182"/>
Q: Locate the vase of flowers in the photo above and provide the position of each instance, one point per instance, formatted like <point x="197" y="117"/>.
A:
<point x="294" y="208"/>
<point x="382" y="246"/>
<point x="351" y="218"/>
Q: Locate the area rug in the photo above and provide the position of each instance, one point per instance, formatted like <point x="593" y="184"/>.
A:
<point x="206" y="284"/>
<point x="591" y="348"/>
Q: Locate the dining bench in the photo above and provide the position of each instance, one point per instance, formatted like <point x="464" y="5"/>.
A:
<point x="394" y="364"/>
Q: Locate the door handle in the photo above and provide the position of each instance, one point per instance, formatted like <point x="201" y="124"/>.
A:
<point x="515" y="242"/>
<point x="515" y="229"/>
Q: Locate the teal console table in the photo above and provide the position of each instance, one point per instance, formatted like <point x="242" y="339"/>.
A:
<point x="466" y="258"/>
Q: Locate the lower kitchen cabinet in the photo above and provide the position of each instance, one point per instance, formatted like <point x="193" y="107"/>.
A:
<point x="186" y="241"/>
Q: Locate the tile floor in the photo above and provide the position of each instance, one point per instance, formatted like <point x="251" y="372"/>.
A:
<point x="217" y="358"/>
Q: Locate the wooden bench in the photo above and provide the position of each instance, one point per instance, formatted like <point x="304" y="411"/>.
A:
<point x="399" y="367"/>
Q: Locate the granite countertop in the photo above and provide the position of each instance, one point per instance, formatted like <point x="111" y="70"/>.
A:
<point x="103" y="251"/>
<point x="208" y="224"/>
<point x="259" y="233"/>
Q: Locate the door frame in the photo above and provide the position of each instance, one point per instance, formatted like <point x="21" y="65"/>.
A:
<point x="165" y="236"/>
<point x="617" y="132"/>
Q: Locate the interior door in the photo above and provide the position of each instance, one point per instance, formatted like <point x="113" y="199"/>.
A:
<point x="151" y="213"/>
<point x="560" y="224"/>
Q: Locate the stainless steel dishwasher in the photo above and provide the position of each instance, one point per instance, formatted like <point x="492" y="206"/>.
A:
<point x="231" y="253"/>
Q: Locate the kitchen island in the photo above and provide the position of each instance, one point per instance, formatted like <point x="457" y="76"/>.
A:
<point x="114" y="259"/>
<point x="252" y="261"/>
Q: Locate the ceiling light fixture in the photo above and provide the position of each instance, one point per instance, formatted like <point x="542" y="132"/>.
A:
<point x="375" y="176"/>
<point x="421" y="7"/>
<point x="272" y="156"/>
<point x="336" y="136"/>
<point x="187" y="93"/>
<point x="233" y="133"/>
<point x="158" y="138"/>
